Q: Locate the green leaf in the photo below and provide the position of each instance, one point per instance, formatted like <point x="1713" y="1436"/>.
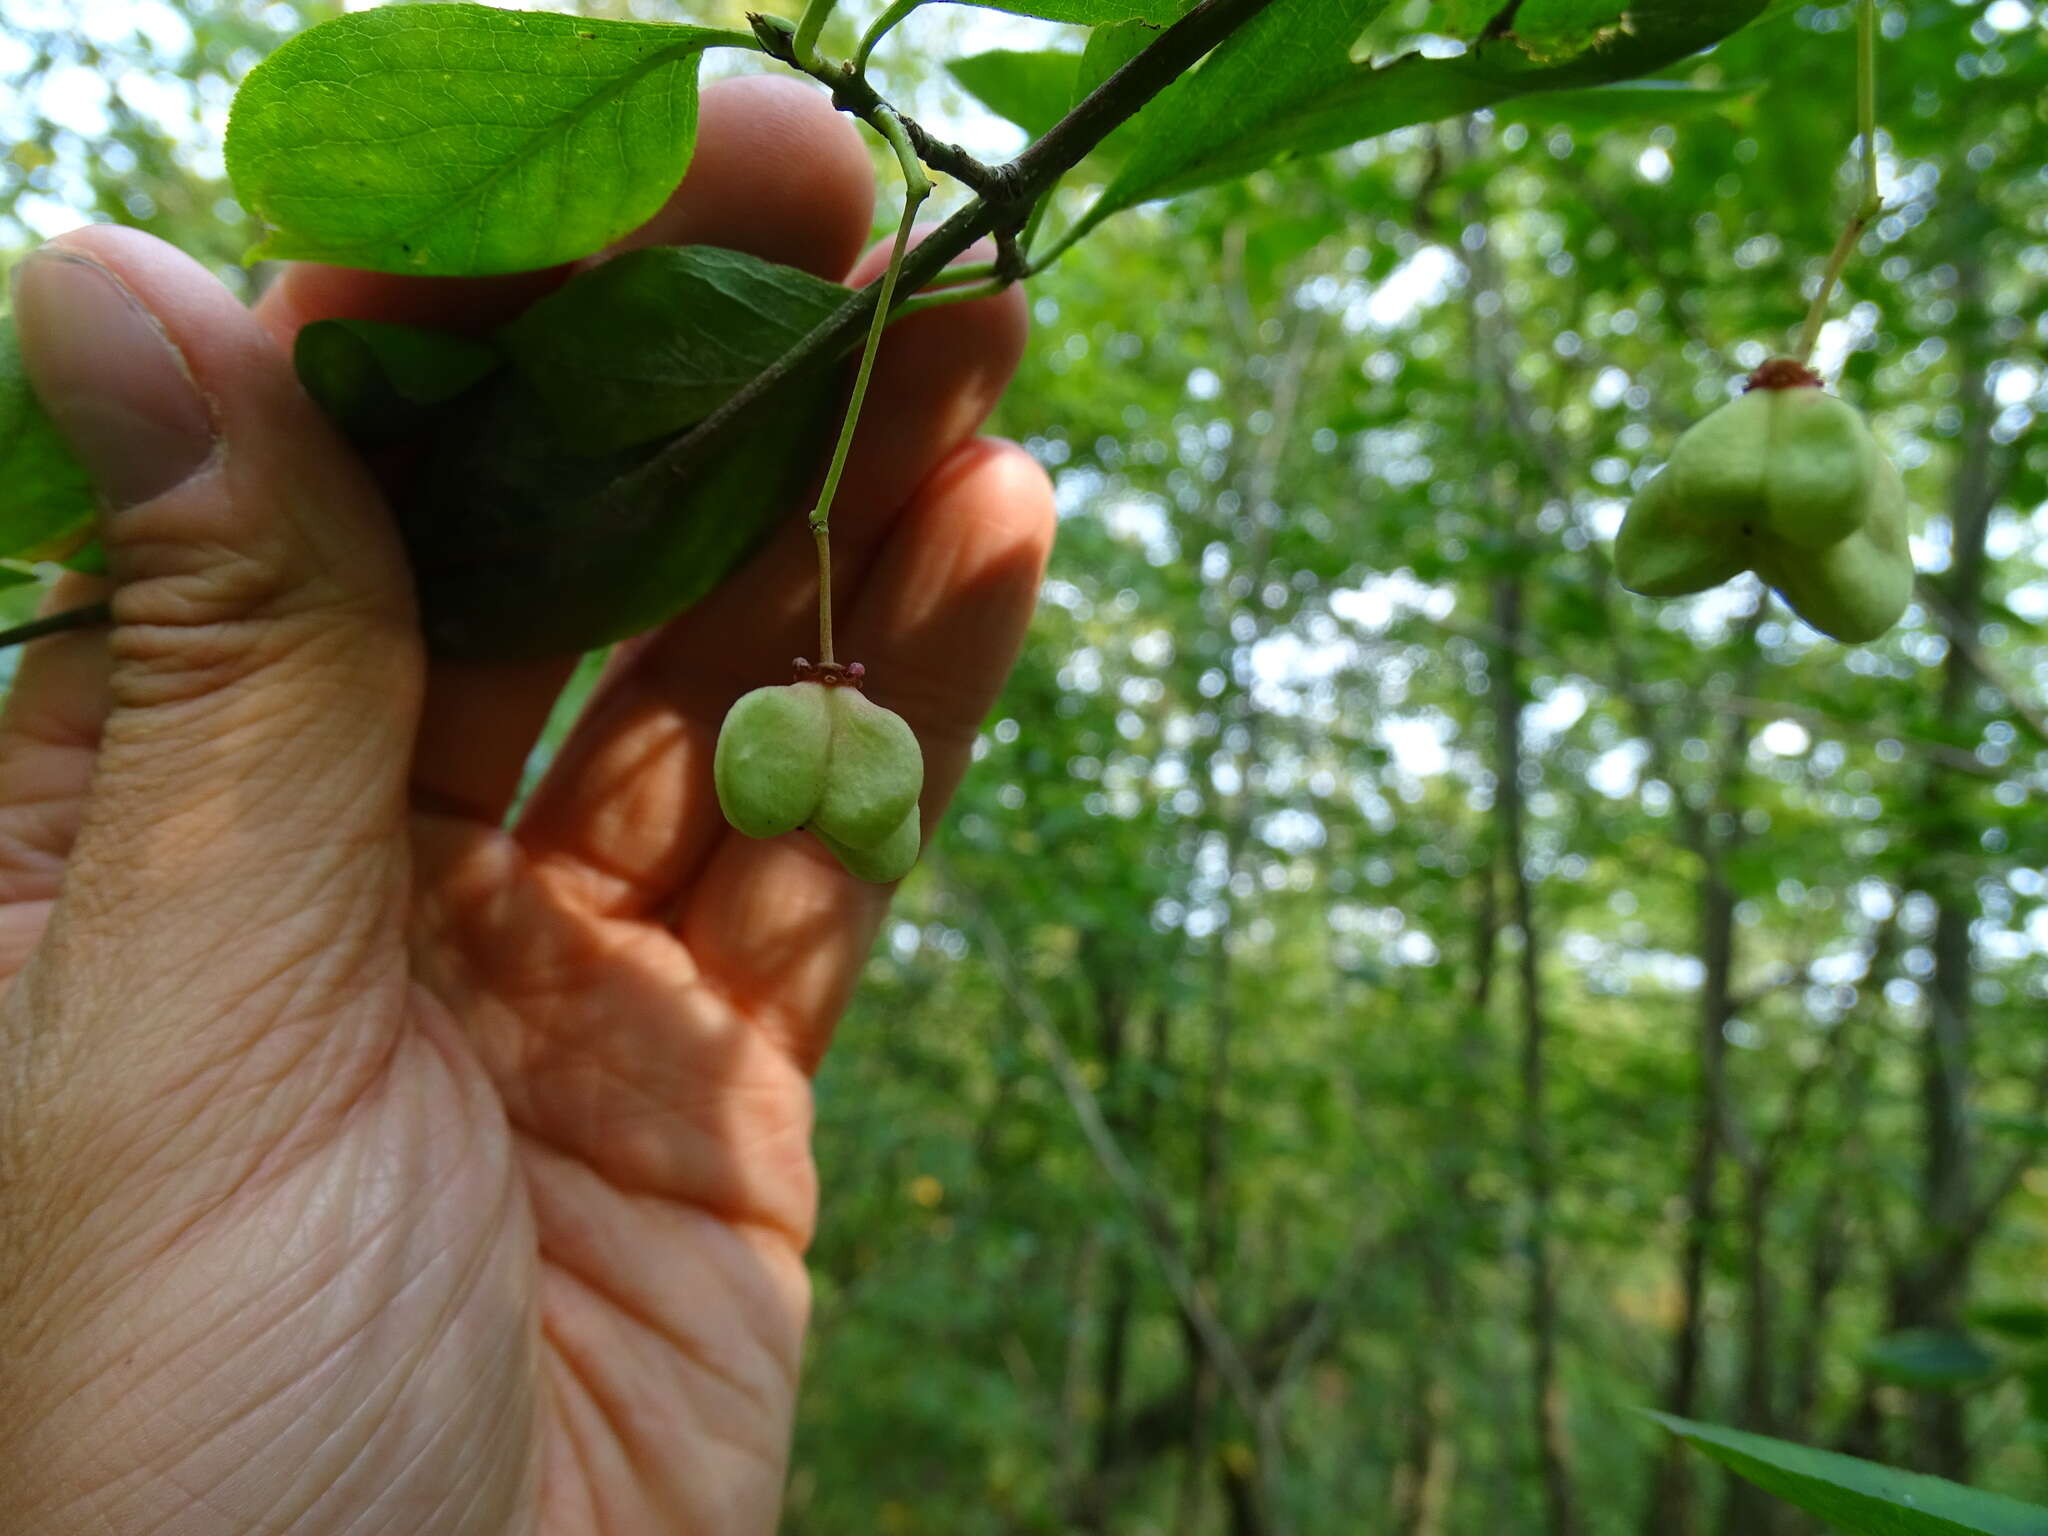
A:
<point x="528" y="534"/>
<point x="654" y="340"/>
<point x="1035" y="90"/>
<point x="1293" y="50"/>
<point x="458" y="139"/>
<point x="1549" y="30"/>
<point x="1602" y="106"/>
<point x="46" y="499"/>
<point x="2031" y="1129"/>
<point x="1032" y="90"/>
<point x="1109" y="49"/>
<point x="1861" y="1497"/>
<point x="2013" y="1320"/>
<point x="379" y="382"/>
<point x="1281" y="87"/>
<point x="1931" y="1359"/>
<point x="521" y="549"/>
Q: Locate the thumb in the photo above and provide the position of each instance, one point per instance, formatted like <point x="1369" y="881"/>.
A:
<point x="265" y="662"/>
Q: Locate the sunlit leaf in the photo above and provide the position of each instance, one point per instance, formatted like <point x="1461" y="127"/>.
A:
<point x="1283" y="86"/>
<point x="457" y="139"/>
<point x="1034" y="90"/>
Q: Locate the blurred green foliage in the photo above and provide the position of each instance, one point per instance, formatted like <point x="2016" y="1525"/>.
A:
<point x="1339" y="452"/>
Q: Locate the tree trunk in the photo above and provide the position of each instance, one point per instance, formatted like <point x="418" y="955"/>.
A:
<point x="1546" y="1403"/>
<point x="1748" y="1510"/>
<point x="1933" y="1289"/>
<point x="1673" y="1507"/>
<point x="1422" y="1481"/>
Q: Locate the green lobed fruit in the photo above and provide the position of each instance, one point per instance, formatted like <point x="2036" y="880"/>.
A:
<point x="773" y="752"/>
<point x="887" y="861"/>
<point x="1786" y="481"/>
<point x="876" y="772"/>
<point x="819" y="753"/>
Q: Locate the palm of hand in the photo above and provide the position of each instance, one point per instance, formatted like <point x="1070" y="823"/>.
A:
<point x="610" y="1160"/>
<point x="382" y="1169"/>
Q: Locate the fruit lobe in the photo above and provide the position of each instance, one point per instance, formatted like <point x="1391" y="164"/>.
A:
<point x="818" y="753"/>
<point x="1787" y="481"/>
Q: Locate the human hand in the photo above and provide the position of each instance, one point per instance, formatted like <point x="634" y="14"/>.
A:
<point x="365" y="1167"/>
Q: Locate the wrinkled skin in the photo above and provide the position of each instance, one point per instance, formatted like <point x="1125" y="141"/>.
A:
<point x="367" y="1165"/>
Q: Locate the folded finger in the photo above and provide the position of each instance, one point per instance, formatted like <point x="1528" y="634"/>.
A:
<point x="49" y="734"/>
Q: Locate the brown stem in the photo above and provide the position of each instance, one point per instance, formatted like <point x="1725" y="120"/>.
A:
<point x="88" y="617"/>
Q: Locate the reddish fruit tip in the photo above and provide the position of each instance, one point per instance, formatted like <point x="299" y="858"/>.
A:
<point x="832" y="674"/>
<point x="1783" y="373"/>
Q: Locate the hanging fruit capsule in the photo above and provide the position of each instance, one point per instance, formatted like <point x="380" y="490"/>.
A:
<point x="1786" y="481"/>
<point x="818" y="753"/>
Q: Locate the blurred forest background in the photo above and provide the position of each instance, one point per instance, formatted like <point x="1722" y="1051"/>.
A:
<point x="1388" y="1003"/>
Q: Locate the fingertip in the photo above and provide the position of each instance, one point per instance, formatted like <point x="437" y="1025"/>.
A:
<point x="779" y="172"/>
<point x="941" y="615"/>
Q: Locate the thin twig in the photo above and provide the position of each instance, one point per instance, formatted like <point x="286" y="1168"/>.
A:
<point x="1868" y="204"/>
<point x="90" y="616"/>
<point x="1154" y="1224"/>
<point x="1930" y="597"/>
<point x="1019" y="185"/>
<point x="916" y="188"/>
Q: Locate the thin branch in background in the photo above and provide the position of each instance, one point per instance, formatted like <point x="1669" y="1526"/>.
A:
<point x="1930" y="597"/>
<point x="1155" y="1225"/>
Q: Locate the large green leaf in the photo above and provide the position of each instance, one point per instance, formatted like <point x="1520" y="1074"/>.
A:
<point x="458" y="139"/>
<point x="1931" y="1359"/>
<point x="521" y="547"/>
<point x="2026" y="1320"/>
<point x="1281" y="88"/>
<point x="1034" y="90"/>
<point x="655" y="339"/>
<point x="527" y="532"/>
<point x="1291" y="52"/>
<point x="1602" y="106"/>
<point x="1857" y="1496"/>
<point x="46" y="500"/>
<point x="379" y="381"/>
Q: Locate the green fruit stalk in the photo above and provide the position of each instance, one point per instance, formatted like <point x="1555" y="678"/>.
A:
<point x="818" y="753"/>
<point x="1785" y="481"/>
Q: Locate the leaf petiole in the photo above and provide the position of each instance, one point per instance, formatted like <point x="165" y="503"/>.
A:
<point x="939" y="298"/>
<point x="809" y="25"/>
<point x="1868" y="204"/>
<point x="883" y="25"/>
<point x="916" y="188"/>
